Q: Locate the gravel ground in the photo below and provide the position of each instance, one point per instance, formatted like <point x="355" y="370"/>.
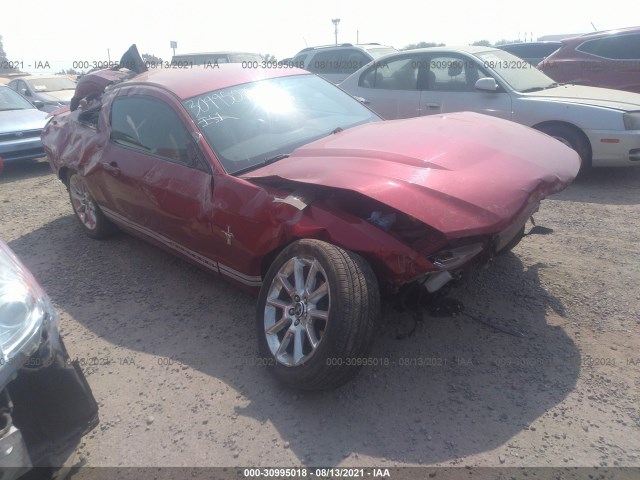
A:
<point x="169" y="350"/>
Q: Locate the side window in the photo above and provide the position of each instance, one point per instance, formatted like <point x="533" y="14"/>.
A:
<point x="90" y="117"/>
<point x="452" y="74"/>
<point x="324" y="62"/>
<point x="620" y="47"/>
<point x="151" y="126"/>
<point x="352" y="60"/>
<point x="13" y="86"/>
<point x="22" y="88"/>
<point x="397" y="74"/>
<point x="345" y="61"/>
<point x="299" y="60"/>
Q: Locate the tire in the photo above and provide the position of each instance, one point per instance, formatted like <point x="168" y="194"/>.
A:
<point x="571" y="137"/>
<point x="94" y="223"/>
<point x="317" y="351"/>
<point x="513" y="242"/>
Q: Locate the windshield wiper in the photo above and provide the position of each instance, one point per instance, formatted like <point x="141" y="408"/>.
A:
<point x="266" y="161"/>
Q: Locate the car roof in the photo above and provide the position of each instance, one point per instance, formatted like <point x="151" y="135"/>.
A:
<point x="604" y="33"/>
<point x="363" y="46"/>
<point x="190" y="82"/>
<point x="525" y="44"/>
<point x="216" y="53"/>
<point x="460" y="48"/>
<point x="31" y="77"/>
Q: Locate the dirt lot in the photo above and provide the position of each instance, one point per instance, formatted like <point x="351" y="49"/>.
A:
<point x="170" y="350"/>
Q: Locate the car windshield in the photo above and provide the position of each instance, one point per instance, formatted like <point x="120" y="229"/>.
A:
<point x="520" y="75"/>
<point x="10" y="100"/>
<point x="253" y="124"/>
<point x="52" y="84"/>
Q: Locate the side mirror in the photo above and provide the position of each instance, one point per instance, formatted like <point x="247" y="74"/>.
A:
<point x="488" y="84"/>
<point x="39" y="104"/>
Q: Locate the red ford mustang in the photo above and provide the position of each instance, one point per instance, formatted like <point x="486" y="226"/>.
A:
<point x="280" y="181"/>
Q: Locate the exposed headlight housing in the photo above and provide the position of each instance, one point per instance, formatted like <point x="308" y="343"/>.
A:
<point x="631" y="120"/>
<point x="454" y="258"/>
<point x="25" y="314"/>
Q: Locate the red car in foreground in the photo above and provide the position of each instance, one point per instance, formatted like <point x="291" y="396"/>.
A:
<point x="278" y="180"/>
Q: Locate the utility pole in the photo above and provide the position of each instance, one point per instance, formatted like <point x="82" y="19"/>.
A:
<point x="336" y="21"/>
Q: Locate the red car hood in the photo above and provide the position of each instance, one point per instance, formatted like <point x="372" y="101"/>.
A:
<point x="462" y="173"/>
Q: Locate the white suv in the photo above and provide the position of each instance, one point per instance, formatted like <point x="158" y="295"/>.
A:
<point x="337" y="62"/>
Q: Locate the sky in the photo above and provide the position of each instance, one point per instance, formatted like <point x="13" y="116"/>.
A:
<point x="54" y="35"/>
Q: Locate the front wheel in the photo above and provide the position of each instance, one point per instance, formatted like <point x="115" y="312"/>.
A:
<point x="572" y="138"/>
<point x="317" y="315"/>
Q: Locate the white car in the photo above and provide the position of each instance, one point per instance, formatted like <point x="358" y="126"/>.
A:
<point x="337" y="62"/>
<point x="602" y="125"/>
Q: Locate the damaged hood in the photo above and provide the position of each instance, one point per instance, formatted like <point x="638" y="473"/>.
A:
<point x="462" y="173"/>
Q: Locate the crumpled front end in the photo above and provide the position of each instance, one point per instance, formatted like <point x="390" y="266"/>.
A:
<point x="439" y="193"/>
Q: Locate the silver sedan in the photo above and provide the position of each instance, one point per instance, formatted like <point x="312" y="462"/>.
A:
<point x="602" y="125"/>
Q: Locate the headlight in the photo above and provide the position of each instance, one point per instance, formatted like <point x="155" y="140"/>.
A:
<point x="25" y="310"/>
<point x="454" y="258"/>
<point x="631" y="120"/>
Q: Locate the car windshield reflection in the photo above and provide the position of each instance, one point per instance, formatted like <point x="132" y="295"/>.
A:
<point x="251" y="124"/>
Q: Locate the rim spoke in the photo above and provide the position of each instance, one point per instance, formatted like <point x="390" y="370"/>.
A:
<point x="318" y="293"/>
<point x="298" y="274"/>
<point x="297" y="346"/>
<point x="311" y="277"/>
<point x="282" y="278"/>
<point x="279" y="325"/>
<point x="76" y="195"/>
<point x="321" y="314"/>
<point x="276" y="302"/>
<point x="311" y="335"/>
<point x="285" y="343"/>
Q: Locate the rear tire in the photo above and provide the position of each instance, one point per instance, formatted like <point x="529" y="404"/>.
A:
<point x="317" y="315"/>
<point x="87" y="212"/>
